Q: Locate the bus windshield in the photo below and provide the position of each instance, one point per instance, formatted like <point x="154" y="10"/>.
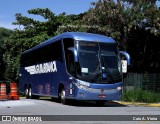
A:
<point x="97" y="59"/>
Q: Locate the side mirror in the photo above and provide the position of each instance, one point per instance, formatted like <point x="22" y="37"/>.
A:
<point x="126" y="61"/>
<point x="127" y="56"/>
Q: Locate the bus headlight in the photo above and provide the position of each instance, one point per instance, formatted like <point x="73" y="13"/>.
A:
<point x="119" y="88"/>
<point x="82" y="84"/>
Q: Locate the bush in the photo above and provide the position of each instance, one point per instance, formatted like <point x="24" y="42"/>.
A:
<point x="139" y="95"/>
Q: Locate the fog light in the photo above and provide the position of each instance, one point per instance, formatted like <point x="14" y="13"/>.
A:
<point x="119" y="88"/>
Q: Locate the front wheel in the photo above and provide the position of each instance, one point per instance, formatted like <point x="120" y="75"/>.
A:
<point x="63" y="97"/>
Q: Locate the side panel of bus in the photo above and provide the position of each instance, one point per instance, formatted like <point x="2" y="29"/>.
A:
<point x="44" y="83"/>
<point x="41" y="76"/>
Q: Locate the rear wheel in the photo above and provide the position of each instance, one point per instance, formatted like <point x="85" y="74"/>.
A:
<point x="30" y="93"/>
<point x="26" y="92"/>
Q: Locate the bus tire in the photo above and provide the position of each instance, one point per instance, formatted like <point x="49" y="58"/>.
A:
<point x="62" y="97"/>
<point x="100" y="103"/>
<point x="29" y="93"/>
<point x="26" y="92"/>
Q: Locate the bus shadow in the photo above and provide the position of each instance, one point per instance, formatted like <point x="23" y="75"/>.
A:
<point x="93" y="104"/>
<point x="88" y="103"/>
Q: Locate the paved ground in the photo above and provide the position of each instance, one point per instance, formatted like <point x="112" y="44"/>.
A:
<point x="82" y="109"/>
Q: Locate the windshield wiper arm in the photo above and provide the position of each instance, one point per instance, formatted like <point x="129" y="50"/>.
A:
<point x="97" y="72"/>
<point x="96" y="77"/>
<point x="107" y="69"/>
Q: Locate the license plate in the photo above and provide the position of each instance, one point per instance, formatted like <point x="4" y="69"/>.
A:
<point x="102" y="96"/>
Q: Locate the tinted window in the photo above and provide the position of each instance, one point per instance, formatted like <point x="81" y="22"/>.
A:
<point x="44" y="54"/>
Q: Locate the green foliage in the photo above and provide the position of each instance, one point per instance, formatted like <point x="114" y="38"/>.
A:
<point x="134" y="24"/>
<point x="4" y="34"/>
<point x="117" y="19"/>
<point x="11" y="67"/>
<point x="139" y="95"/>
<point x="34" y="32"/>
<point x="72" y="23"/>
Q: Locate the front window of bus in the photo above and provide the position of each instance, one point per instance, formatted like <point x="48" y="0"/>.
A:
<point x="98" y="62"/>
<point x="110" y="62"/>
<point x="88" y="60"/>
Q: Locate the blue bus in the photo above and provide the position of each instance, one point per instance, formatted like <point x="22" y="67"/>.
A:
<point x="73" y="65"/>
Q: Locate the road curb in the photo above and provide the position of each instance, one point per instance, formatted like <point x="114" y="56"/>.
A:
<point x="139" y="104"/>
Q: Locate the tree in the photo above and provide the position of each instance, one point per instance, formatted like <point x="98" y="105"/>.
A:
<point x="118" y="18"/>
<point x="72" y="23"/>
<point x="4" y="33"/>
<point x="33" y="33"/>
<point x="123" y="21"/>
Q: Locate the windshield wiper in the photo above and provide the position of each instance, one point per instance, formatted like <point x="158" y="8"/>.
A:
<point x="107" y="71"/>
<point x="98" y="70"/>
<point x="97" y="73"/>
<point x="96" y="77"/>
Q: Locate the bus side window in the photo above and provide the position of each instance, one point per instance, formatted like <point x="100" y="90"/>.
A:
<point x="50" y="52"/>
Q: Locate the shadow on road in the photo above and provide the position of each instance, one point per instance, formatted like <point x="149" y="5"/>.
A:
<point x="93" y="104"/>
<point x="87" y="103"/>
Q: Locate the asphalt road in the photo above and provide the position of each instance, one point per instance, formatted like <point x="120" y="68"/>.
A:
<point x="48" y="107"/>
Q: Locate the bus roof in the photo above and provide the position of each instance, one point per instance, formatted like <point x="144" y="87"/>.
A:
<point x="81" y="36"/>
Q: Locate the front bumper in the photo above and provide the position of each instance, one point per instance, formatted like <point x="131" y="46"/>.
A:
<point x="98" y="94"/>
